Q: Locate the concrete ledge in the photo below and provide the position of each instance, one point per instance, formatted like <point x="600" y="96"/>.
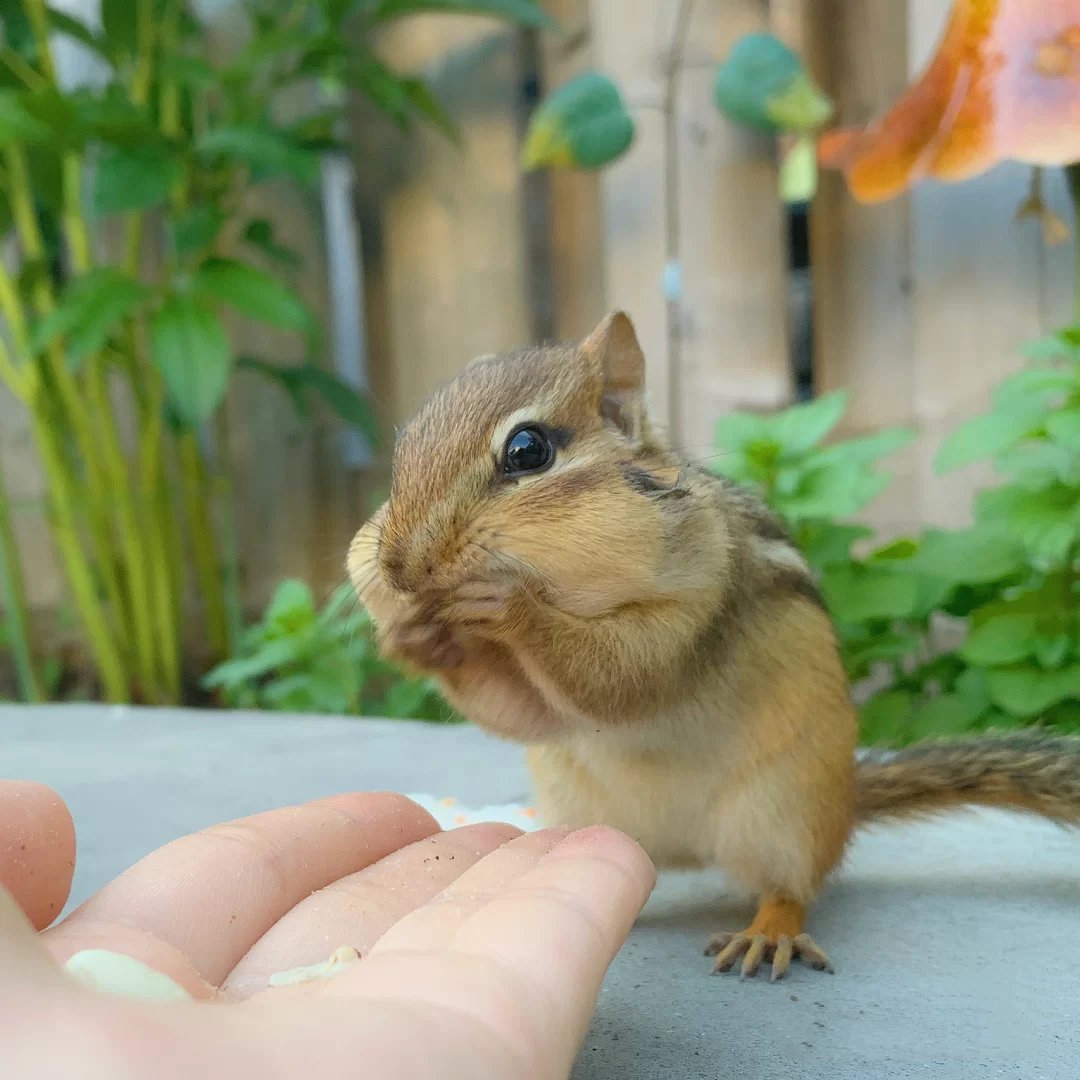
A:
<point x="957" y="943"/>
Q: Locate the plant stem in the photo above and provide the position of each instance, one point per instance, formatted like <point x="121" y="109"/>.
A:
<point x="38" y="16"/>
<point x="102" y="642"/>
<point x="166" y="558"/>
<point x="62" y="478"/>
<point x="230" y="569"/>
<point x="14" y="598"/>
<point x="203" y="544"/>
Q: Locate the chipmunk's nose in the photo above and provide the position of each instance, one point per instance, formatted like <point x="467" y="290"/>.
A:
<point x="406" y="567"/>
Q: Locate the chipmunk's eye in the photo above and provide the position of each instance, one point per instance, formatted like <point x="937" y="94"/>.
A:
<point x="528" y="450"/>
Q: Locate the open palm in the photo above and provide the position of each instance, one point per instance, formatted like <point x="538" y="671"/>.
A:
<point x="481" y="949"/>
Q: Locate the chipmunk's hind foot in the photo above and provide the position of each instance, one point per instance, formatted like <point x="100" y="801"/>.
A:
<point x="775" y="935"/>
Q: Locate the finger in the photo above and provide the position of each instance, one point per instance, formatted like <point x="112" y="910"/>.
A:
<point x="358" y="910"/>
<point x="434" y="925"/>
<point x="197" y="905"/>
<point x="526" y="965"/>
<point x="24" y="964"/>
<point x="37" y="849"/>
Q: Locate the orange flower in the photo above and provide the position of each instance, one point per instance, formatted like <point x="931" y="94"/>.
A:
<point x="1003" y="84"/>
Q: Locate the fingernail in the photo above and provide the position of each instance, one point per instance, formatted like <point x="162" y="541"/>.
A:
<point x="116" y="973"/>
<point x="338" y="960"/>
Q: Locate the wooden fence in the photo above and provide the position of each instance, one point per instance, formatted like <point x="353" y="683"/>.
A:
<point x="919" y="305"/>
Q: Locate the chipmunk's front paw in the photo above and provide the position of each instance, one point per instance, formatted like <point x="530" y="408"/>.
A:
<point x="485" y="605"/>
<point x="420" y="640"/>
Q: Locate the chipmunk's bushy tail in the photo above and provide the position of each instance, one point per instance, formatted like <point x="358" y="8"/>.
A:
<point x="1028" y="771"/>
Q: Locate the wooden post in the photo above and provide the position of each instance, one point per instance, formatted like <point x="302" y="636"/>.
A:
<point x="449" y="262"/>
<point x="576" y="236"/>
<point x="631" y="44"/>
<point x="731" y="241"/>
<point x="860" y="255"/>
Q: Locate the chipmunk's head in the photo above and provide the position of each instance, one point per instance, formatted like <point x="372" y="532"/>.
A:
<point x="538" y="463"/>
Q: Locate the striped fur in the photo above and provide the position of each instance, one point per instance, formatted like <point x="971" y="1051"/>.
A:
<point x="1028" y="771"/>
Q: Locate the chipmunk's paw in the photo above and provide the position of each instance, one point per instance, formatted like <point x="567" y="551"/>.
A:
<point x="421" y="641"/>
<point x="775" y="934"/>
<point x="484" y="604"/>
<point x="755" y="948"/>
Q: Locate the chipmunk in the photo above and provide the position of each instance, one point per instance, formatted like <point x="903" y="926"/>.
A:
<point x="653" y="635"/>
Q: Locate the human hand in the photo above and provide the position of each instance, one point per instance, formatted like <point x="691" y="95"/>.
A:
<point x="482" y="950"/>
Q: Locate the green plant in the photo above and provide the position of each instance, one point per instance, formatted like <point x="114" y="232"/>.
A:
<point x="167" y="151"/>
<point x="1010" y="581"/>
<point x="301" y="659"/>
<point x="881" y="611"/>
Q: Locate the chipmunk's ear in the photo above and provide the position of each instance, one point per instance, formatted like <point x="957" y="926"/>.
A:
<point x="481" y="360"/>
<point x="613" y="351"/>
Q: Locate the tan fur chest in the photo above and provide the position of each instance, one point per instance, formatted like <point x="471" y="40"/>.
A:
<point x="660" y="801"/>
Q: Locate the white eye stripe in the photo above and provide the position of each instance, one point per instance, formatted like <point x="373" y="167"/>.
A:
<point x="507" y="424"/>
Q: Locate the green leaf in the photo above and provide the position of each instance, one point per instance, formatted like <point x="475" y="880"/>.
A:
<point x="972" y="686"/>
<point x="270" y="657"/>
<point x="1052" y="652"/>
<point x="1062" y="345"/>
<point x="855" y="593"/>
<point x="196" y="229"/>
<point x="350" y="406"/>
<point x="119" y="21"/>
<point x="865" y="450"/>
<point x="384" y="88"/>
<point x="89" y="310"/>
<point x="1038" y="464"/>
<point x="191" y="350"/>
<point x="968" y="556"/>
<point x="884" y="718"/>
<point x="828" y="544"/>
<point x="833" y="492"/>
<point x="406" y="698"/>
<point x="801" y="427"/>
<point x="1001" y="640"/>
<point x="903" y="548"/>
<point x="260" y="234"/>
<point x="422" y="99"/>
<point x="1040" y="383"/>
<point x="985" y="436"/>
<point x="253" y="292"/>
<point x="1064" y="429"/>
<point x="1027" y="691"/>
<point x="1046" y="522"/>
<point x="526" y="13"/>
<point x="261" y="148"/>
<point x="583" y="124"/>
<point x="133" y="179"/>
<point x="191" y="72"/>
<point x="16" y="123"/>
<point x="736" y="430"/>
<point x="949" y="714"/>
<point x="291" y="610"/>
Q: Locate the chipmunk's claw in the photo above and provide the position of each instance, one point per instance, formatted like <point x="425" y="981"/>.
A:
<point x="755" y="948"/>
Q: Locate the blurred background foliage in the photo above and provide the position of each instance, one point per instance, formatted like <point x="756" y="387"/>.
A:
<point x="168" y="141"/>
<point x="132" y="247"/>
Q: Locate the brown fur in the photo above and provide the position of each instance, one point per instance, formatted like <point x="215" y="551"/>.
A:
<point x="1028" y="771"/>
<point x="653" y="635"/>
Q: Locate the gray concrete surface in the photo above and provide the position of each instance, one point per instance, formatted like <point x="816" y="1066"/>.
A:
<point x="957" y="943"/>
